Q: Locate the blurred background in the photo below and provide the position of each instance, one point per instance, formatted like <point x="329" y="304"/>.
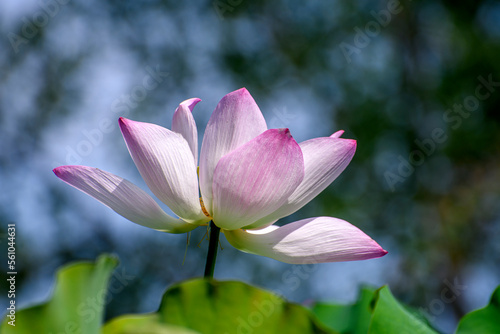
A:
<point x="416" y="83"/>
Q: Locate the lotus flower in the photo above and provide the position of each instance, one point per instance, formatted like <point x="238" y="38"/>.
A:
<point x="249" y="177"/>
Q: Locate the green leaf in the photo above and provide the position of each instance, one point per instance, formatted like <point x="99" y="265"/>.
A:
<point x="390" y="317"/>
<point x="209" y="306"/>
<point x="144" y="324"/>
<point x="352" y="319"/>
<point x="483" y="321"/>
<point x="77" y="304"/>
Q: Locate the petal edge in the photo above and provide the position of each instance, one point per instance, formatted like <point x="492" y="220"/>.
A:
<point x="236" y="120"/>
<point x="166" y="164"/>
<point x="308" y="241"/>
<point x="122" y="196"/>
<point x="184" y="124"/>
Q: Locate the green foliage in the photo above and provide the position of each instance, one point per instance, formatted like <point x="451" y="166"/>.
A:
<point x="206" y="306"/>
<point x="483" y="321"/>
<point x="375" y="312"/>
<point x="353" y="319"/>
<point x="210" y="306"/>
<point x="147" y="324"/>
<point x="390" y="317"/>
<point x="77" y="304"/>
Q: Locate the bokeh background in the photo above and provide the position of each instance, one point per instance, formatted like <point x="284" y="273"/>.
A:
<point x="416" y="83"/>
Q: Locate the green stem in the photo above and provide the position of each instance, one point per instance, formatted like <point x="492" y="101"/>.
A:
<point x="212" y="250"/>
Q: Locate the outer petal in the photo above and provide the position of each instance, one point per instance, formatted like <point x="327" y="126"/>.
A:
<point x="122" y="196"/>
<point x="313" y="240"/>
<point x="256" y="179"/>
<point x="166" y="163"/>
<point x="324" y="159"/>
<point x="183" y="123"/>
<point x="236" y="120"/>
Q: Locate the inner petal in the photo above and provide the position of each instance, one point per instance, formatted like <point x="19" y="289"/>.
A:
<point x="256" y="179"/>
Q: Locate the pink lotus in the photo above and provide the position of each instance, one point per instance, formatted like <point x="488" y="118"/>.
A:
<point x="249" y="177"/>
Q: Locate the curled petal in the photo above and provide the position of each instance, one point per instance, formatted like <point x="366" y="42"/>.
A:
<point x="184" y="124"/>
<point x="236" y="120"/>
<point x="190" y="103"/>
<point x="308" y="241"/>
<point x="324" y="159"/>
<point x="166" y="164"/>
<point x="122" y="196"/>
<point x="337" y="134"/>
<point x="256" y="179"/>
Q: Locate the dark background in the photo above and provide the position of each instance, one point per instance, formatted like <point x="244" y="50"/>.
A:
<point x="416" y="83"/>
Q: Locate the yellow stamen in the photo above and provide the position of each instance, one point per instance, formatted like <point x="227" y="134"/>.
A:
<point x="204" y="209"/>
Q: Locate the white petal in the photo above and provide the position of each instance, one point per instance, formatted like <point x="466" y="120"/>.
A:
<point x="256" y="179"/>
<point x="166" y="164"/>
<point x="236" y="120"/>
<point x="324" y="159"/>
<point x="122" y="196"/>
<point x="183" y="123"/>
<point x="308" y="241"/>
